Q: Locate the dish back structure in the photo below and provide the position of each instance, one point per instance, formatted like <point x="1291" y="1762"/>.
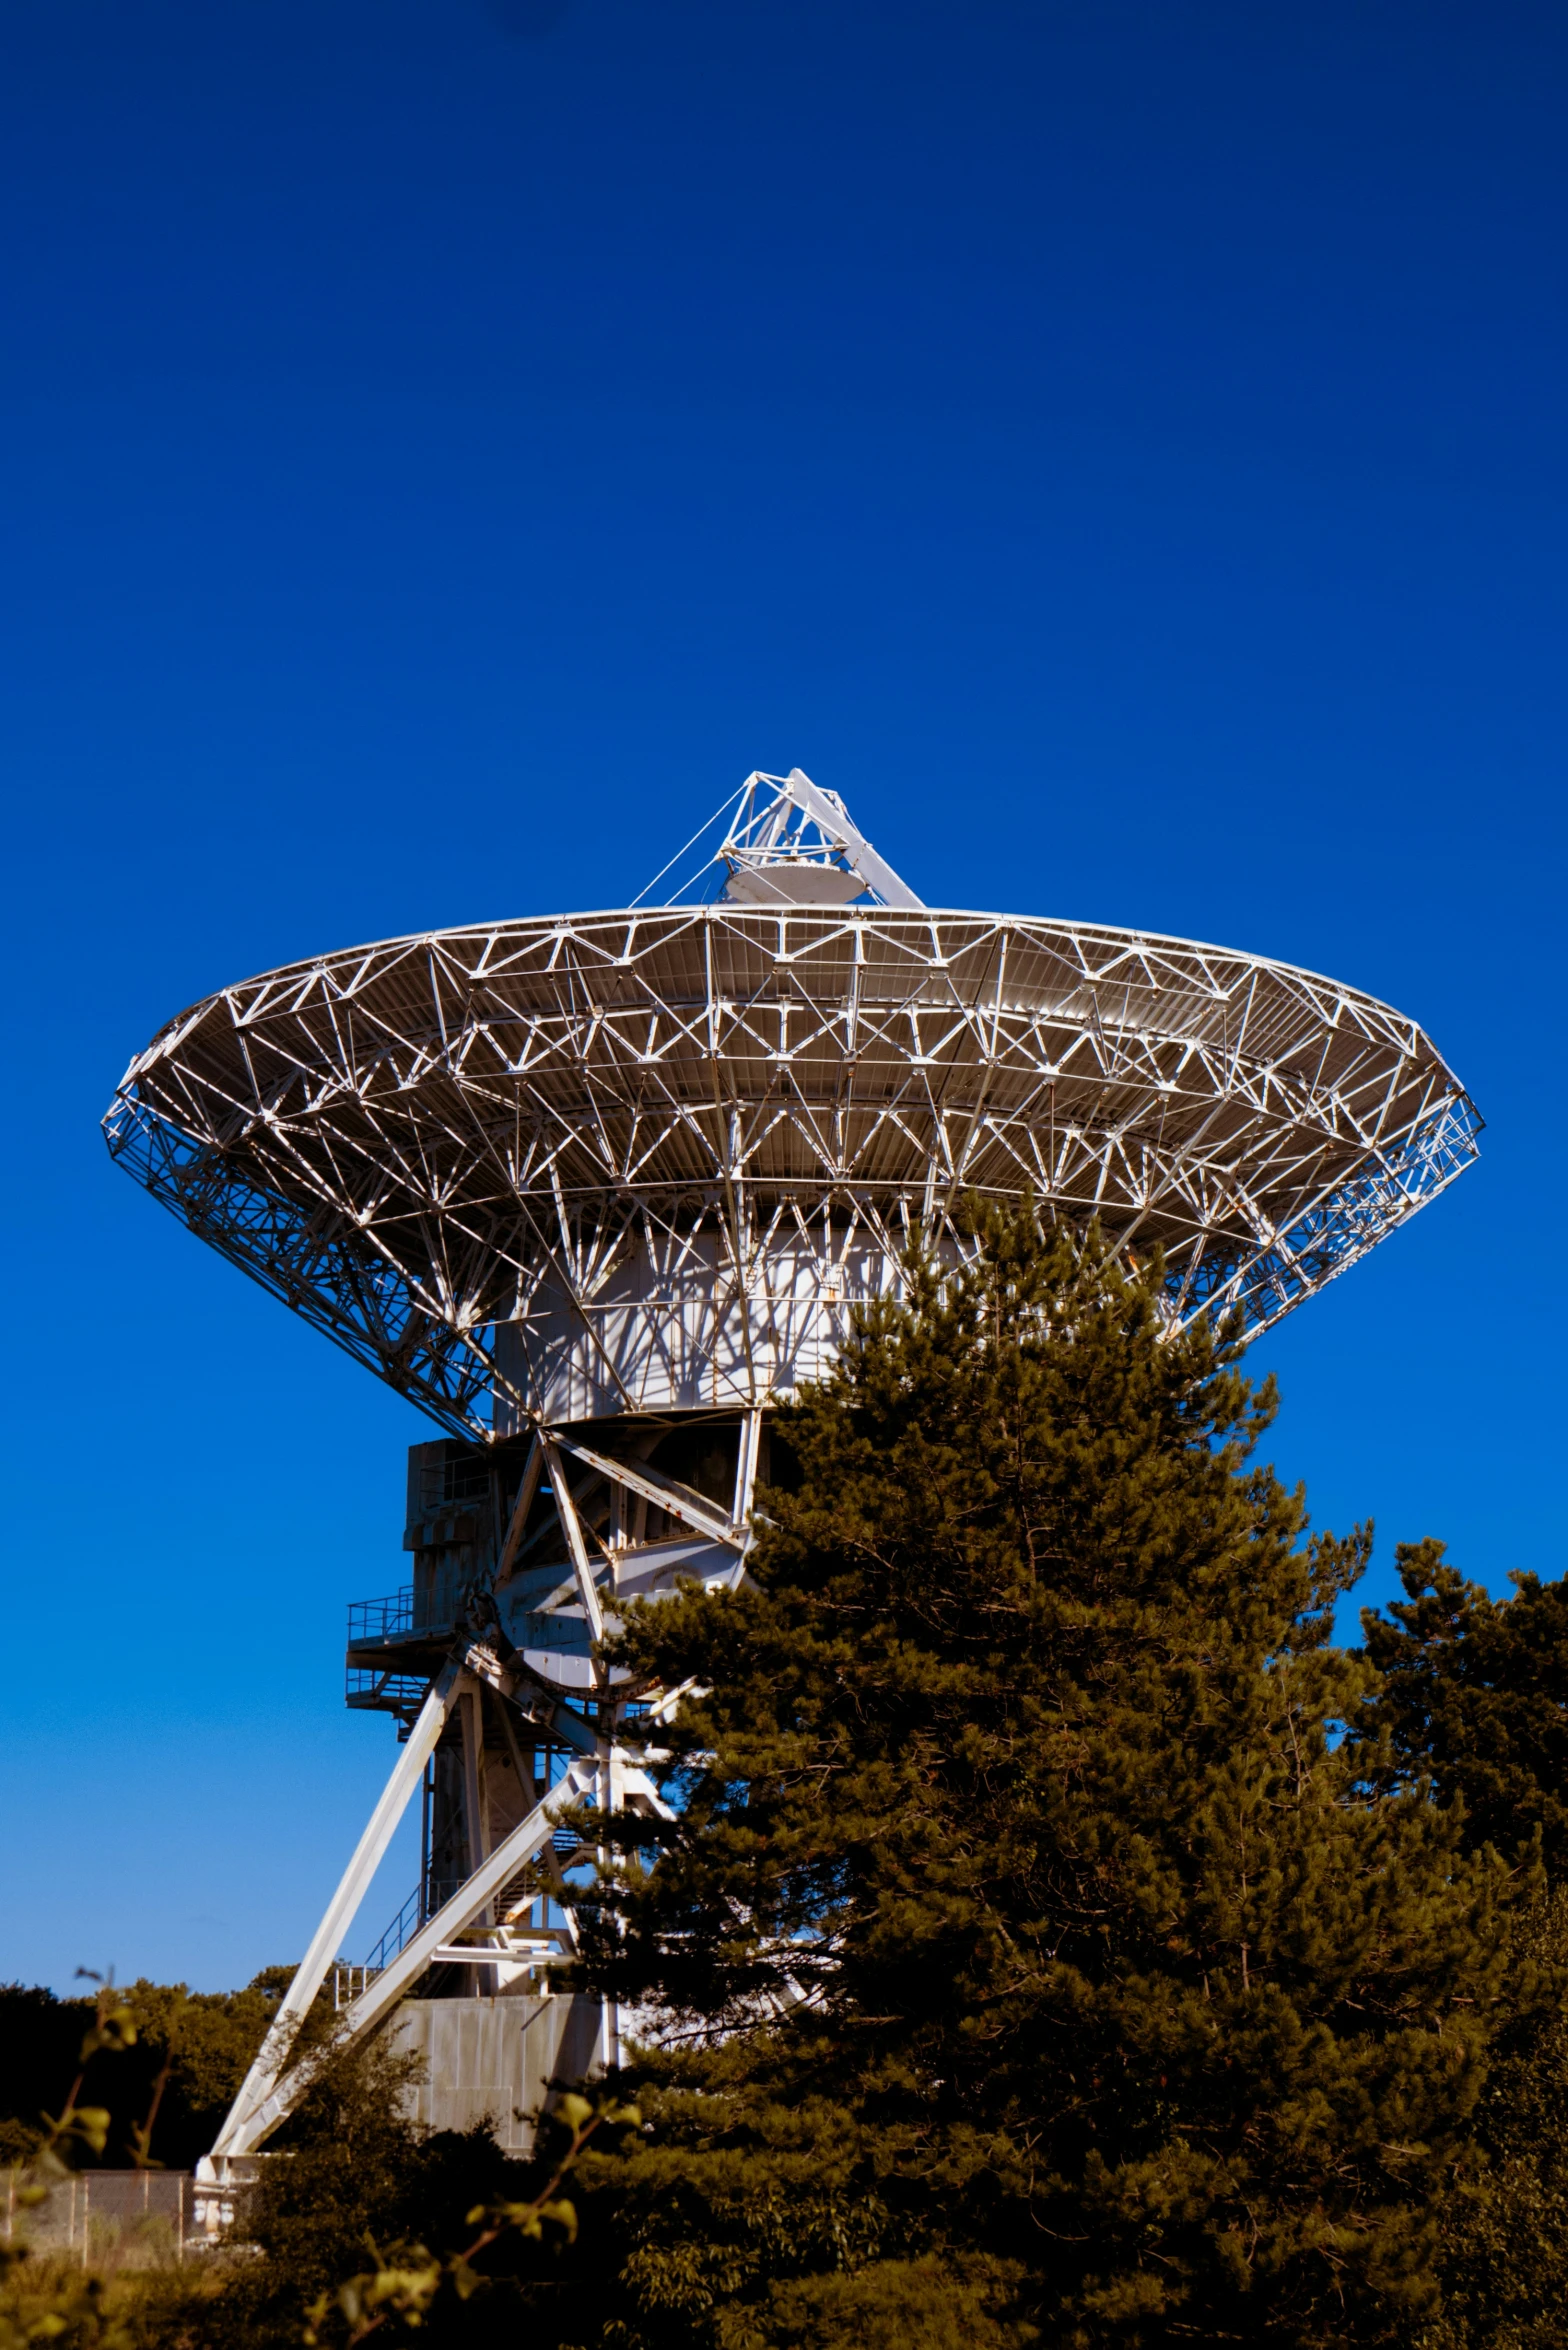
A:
<point x="592" y="1189"/>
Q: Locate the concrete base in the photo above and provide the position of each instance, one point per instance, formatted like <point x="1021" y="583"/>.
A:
<point x="495" y="2058"/>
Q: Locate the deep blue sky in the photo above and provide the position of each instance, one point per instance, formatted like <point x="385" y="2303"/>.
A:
<point x="1120" y="446"/>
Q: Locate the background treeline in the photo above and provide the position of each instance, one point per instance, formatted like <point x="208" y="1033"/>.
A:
<point x="180" y="2075"/>
<point x="1061" y="1938"/>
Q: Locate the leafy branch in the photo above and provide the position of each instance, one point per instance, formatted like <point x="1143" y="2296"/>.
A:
<point x="76" y="2308"/>
<point x="114" y="2028"/>
<point x="407" y="2277"/>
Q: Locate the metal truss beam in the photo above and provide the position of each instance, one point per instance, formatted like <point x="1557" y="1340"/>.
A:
<point x="608" y="1778"/>
<point x="416" y="1143"/>
<point x="407" y="1774"/>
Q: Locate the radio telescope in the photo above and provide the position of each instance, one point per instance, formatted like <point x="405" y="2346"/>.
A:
<point x="592" y="1190"/>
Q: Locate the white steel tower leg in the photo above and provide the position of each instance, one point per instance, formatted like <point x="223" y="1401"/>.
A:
<point x="523" y="1843"/>
<point x="746" y="1471"/>
<point x="271" y="2089"/>
<point x="611" y="1796"/>
<point x="379" y="1829"/>
<point x="476" y="1805"/>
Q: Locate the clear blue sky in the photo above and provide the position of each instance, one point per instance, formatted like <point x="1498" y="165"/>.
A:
<point x="1120" y="446"/>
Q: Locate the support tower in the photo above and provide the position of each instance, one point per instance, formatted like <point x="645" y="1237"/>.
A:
<point x="591" y="1190"/>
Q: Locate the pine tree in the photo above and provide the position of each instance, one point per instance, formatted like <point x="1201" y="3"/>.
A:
<point x="1470" y="1699"/>
<point x="1504" y="2212"/>
<point x="1034" y="1963"/>
<point x="1473" y="1694"/>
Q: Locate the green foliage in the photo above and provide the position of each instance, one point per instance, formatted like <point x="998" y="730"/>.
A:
<point x="1039" y="1964"/>
<point x="351" y="2175"/>
<point x="174" y="2086"/>
<point x="46" y="2301"/>
<point x="346" y="2161"/>
<point x="52" y="2303"/>
<point x="406" y="2284"/>
<point x="1474" y="1696"/>
<point x="1505" y="2218"/>
<point x="1472" y="1699"/>
<point x="1047" y="1970"/>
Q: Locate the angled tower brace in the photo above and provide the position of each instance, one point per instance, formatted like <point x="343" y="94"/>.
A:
<point x="547" y="1716"/>
<point x="590" y="1190"/>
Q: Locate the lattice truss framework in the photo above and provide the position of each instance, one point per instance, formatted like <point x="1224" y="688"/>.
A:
<point x="416" y="1142"/>
<point x="579" y="1168"/>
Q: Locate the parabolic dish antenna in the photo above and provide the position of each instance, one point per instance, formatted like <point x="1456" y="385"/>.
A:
<point x="588" y="1164"/>
<point x="592" y="1189"/>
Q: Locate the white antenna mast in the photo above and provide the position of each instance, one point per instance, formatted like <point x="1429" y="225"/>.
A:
<point x="790" y="843"/>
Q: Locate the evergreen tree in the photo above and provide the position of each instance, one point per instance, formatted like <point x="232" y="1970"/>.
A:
<point x="1473" y="1695"/>
<point x="1471" y="1699"/>
<point x="1033" y="1963"/>
<point x="1504" y="2266"/>
<point x="350" y="2170"/>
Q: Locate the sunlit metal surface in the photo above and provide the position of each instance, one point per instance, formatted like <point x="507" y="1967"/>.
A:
<point x="593" y="1189"/>
<point x="576" y="1164"/>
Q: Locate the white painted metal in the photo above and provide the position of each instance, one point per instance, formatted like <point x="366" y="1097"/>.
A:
<point x="748" y="1456"/>
<point x="582" y="1165"/>
<point x="341" y="1911"/>
<point x="583" y="1781"/>
<point x="637" y="1477"/>
<point x="571" y="1526"/>
<point x="548" y="1174"/>
<point x="791" y="844"/>
<point x="520" y="1509"/>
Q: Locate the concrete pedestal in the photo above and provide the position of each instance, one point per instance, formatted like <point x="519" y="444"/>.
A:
<point x="495" y="2058"/>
